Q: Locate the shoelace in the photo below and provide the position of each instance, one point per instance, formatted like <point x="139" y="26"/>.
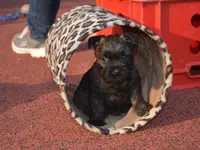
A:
<point x="24" y="32"/>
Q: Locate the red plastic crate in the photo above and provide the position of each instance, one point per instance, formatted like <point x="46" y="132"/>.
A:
<point x="177" y="22"/>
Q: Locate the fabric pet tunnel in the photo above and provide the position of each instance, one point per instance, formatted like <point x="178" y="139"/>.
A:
<point x="153" y="62"/>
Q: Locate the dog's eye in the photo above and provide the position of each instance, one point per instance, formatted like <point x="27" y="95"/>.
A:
<point x="105" y="59"/>
<point x="124" y="56"/>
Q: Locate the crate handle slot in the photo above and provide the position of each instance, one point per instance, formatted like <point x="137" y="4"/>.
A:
<point x="195" y="20"/>
<point x="194" y="71"/>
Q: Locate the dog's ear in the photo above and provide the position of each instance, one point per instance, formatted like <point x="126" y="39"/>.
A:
<point x="94" y="41"/>
<point x="130" y="38"/>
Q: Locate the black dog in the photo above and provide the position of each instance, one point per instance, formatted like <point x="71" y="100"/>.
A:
<point x="112" y="85"/>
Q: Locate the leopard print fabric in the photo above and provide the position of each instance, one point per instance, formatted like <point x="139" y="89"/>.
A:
<point x="75" y="26"/>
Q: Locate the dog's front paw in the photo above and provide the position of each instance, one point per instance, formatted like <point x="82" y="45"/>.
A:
<point x="143" y="108"/>
<point x="97" y="122"/>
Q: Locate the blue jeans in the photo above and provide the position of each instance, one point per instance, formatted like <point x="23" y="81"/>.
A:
<point x="41" y="15"/>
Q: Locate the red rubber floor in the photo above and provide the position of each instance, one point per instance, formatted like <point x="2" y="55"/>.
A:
<point x="33" y="117"/>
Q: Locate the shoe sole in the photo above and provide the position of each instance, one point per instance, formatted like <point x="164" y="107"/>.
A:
<point x="36" y="53"/>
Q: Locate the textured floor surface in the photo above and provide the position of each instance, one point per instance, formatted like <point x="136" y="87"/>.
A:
<point x="32" y="115"/>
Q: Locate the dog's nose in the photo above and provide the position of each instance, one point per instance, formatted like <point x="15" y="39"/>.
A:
<point x="115" y="72"/>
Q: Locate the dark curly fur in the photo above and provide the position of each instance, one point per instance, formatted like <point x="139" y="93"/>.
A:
<point x="112" y="85"/>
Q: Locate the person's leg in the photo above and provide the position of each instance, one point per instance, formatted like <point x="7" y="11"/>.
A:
<point x="41" y="16"/>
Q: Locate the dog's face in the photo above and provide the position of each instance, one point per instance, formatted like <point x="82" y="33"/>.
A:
<point x="114" y="54"/>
